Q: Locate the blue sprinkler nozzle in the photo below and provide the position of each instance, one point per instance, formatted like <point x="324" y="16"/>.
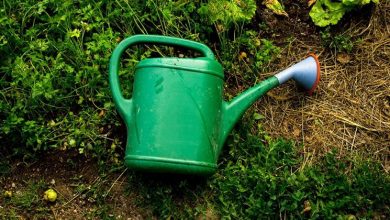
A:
<point x="305" y="73"/>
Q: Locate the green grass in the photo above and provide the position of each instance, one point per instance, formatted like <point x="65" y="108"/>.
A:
<point x="261" y="177"/>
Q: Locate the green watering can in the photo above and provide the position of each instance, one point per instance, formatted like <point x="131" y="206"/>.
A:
<point x="177" y="120"/>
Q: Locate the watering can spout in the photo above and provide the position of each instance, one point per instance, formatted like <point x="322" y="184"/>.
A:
<point x="233" y="110"/>
<point x="305" y="73"/>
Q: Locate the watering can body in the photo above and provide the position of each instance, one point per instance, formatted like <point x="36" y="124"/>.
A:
<point x="176" y="119"/>
<point x="175" y="116"/>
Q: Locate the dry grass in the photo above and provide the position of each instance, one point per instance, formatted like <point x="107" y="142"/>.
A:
<point x="351" y="108"/>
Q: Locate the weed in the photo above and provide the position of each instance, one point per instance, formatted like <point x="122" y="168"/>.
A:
<point x="339" y="42"/>
<point x="265" y="177"/>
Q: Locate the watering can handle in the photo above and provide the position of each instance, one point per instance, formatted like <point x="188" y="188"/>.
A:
<point x="124" y="105"/>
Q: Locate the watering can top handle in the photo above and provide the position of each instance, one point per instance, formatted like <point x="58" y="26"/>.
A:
<point x="164" y="40"/>
<point x="124" y="105"/>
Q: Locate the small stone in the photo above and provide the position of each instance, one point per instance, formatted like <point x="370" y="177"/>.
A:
<point x="52" y="182"/>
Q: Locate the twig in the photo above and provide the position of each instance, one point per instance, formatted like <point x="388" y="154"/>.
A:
<point x="115" y="183"/>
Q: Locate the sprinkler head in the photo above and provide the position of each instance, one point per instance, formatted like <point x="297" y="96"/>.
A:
<point x="305" y="73"/>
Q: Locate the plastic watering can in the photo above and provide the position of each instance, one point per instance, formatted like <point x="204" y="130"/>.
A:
<point x="177" y="120"/>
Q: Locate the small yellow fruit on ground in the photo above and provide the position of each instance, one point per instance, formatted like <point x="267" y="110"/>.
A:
<point x="50" y="195"/>
<point x="7" y="194"/>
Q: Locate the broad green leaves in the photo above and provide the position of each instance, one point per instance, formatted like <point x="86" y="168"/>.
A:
<point x="228" y="12"/>
<point x="328" y="12"/>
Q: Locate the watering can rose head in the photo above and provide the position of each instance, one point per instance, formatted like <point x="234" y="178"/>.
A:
<point x="177" y="120"/>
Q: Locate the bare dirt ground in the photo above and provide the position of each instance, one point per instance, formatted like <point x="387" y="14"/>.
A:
<point x="79" y="186"/>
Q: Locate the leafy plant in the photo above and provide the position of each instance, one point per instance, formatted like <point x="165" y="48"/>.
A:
<point x="268" y="180"/>
<point x="339" y="42"/>
<point x="226" y="13"/>
<point x="329" y="12"/>
<point x="275" y="6"/>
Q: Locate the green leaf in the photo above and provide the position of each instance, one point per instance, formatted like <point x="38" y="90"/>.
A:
<point x="325" y="12"/>
<point x="258" y="116"/>
<point x="74" y="33"/>
<point x="358" y="2"/>
<point x="228" y="12"/>
<point x="276" y="7"/>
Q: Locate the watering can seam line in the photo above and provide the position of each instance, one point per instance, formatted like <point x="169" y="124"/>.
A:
<point x="136" y="130"/>
<point x="180" y="68"/>
<point x="200" y="113"/>
<point x="173" y="161"/>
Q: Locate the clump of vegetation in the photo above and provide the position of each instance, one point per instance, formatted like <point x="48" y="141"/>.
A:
<point x="339" y="42"/>
<point x="226" y="13"/>
<point x="55" y="91"/>
<point x="273" y="180"/>
<point x="329" y="12"/>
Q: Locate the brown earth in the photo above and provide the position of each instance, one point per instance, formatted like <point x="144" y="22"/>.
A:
<point x="78" y="184"/>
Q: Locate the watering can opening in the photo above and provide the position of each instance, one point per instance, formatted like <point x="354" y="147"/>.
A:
<point x="177" y="120"/>
<point x="194" y="65"/>
<point x="305" y="73"/>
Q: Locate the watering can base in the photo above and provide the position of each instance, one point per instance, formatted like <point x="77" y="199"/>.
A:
<point x="167" y="165"/>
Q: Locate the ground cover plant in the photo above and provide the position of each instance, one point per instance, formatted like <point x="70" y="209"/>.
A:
<point x="59" y="128"/>
<point x="327" y="12"/>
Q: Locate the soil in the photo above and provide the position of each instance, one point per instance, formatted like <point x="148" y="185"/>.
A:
<point x="350" y="111"/>
<point x="75" y="179"/>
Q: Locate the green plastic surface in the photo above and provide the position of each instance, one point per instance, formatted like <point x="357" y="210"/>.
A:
<point x="177" y="121"/>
